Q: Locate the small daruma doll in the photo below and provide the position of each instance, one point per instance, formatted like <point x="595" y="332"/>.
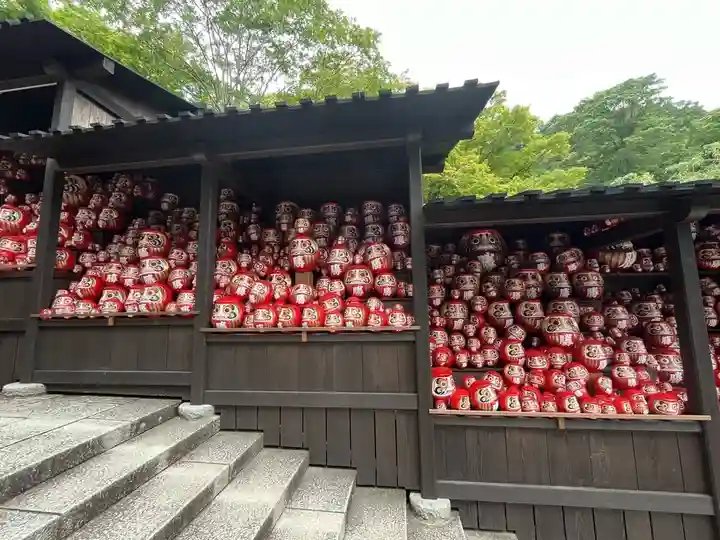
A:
<point x="228" y="312"/>
<point x="443" y="384"/>
<point x="154" y="270"/>
<point x="483" y="395"/>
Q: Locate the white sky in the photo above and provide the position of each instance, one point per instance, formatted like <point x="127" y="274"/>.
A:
<point x="549" y="54"/>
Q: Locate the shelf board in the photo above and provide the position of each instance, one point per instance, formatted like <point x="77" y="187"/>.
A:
<point x="571" y="416"/>
<point x="317" y="330"/>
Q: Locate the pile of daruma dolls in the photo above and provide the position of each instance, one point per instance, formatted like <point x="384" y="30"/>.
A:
<point x="546" y="335"/>
<point x="327" y="268"/>
<point x="19" y="213"/>
<point x="147" y="266"/>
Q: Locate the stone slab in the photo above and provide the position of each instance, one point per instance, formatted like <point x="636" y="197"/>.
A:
<point x="377" y="513"/>
<point x="489" y="535"/>
<point x="160" y="508"/>
<point x="34" y="459"/>
<point x="232" y="448"/>
<point x="18" y="389"/>
<point x="80" y="494"/>
<point x="309" y="525"/>
<point x="325" y="490"/>
<point x="420" y="529"/>
<point x="249" y="507"/>
<point x="193" y="412"/>
<point x="430" y="509"/>
<point x="70" y="407"/>
<point x="162" y="409"/>
<point x="25" y="428"/>
<point x="16" y="525"/>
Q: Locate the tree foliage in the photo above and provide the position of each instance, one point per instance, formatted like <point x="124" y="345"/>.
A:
<point x="632" y="128"/>
<point x="507" y="153"/>
<point x="227" y="52"/>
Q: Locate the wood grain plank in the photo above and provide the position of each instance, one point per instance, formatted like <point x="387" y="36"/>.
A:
<point x="408" y="457"/>
<point x="362" y="437"/>
<point x="269" y="424"/>
<point x="637" y="525"/>
<point x="180" y="343"/>
<point x="579" y="523"/>
<point x="491" y="516"/>
<point x="338" y="438"/>
<point x="386" y="449"/>
<point x="468" y="511"/>
<point x="227" y="417"/>
<point x="549" y="523"/>
<point x="658" y="461"/>
<point x="610" y="525"/>
<point x="152" y="348"/>
<point x="521" y="520"/>
<point x="407" y="379"/>
<point x="291" y="427"/>
<point x="692" y="462"/>
<point x="613" y="460"/>
<point x="246" y="418"/>
<point x="315" y="436"/>
<point x="667" y="526"/>
<point x="698" y="527"/>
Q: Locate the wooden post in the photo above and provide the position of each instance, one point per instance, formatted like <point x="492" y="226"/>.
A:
<point x="209" y="192"/>
<point x="41" y="288"/>
<point x="692" y="332"/>
<point x="422" y="354"/>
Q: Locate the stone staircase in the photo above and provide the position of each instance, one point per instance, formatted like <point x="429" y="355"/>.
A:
<point x="108" y="468"/>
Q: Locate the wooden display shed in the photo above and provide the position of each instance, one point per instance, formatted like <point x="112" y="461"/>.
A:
<point x="50" y="81"/>
<point x="555" y="477"/>
<point x="353" y="399"/>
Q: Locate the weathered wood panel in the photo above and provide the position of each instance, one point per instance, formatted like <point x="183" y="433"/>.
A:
<point x="642" y="460"/>
<point x="379" y="441"/>
<point x="531" y="522"/>
<point x="15" y="294"/>
<point x="134" y="356"/>
<point x="86" y="112"/>
<point x="9" y="354"/>
<point x="381" y="445"/>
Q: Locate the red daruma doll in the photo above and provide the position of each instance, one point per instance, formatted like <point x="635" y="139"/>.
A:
<point x="443" y="384"/>
<point x="483" y="396"/>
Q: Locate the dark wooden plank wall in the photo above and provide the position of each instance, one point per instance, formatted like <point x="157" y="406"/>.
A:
<point x="644" y="460"/>
<point x="533" y="522"/>
<point x="9" y="356"/>
<point x="15" y="294"/>
<point x="131" y="345"/>
<point x="381" y="444"/>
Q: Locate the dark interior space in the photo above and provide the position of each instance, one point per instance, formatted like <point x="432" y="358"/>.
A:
<point x="348" y="178"/>
<point x="22" y="111"/>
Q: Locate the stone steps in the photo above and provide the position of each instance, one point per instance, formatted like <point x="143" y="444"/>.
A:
<point x="81" y="493"/>
<point x="166" y="504"/>
<point x="41" y="438"/>
<point x="318" y="509"/>
<point x="249" y="507"/>
<point x="376" y="513"/>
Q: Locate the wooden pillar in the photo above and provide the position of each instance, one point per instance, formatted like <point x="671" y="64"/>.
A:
<point x="420" y="302"/>
<point x="692" y="332"/>
<point x="209" y="193"/>
<point x="41" y="288"/>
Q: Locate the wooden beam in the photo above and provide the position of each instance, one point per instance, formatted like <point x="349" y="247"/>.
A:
<point x="209" y="195"/>
<point x="23" y="83"/>
<point x="692" y="332"/>
<point x="112" y="378"/>
<point x="579" y="424"/>
<point x="104" y="98"/>
<point x="578" y="497"/>
<point x="104" y="67"/>
<point x="322" y="400"/>
<point x="420" y="301"/>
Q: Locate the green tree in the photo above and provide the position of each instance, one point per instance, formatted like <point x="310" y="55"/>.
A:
<point x="704" y="165"/>
<point x="227" y="52"/>
<point x="507" y="153"/>
<point x="632" y="127"/>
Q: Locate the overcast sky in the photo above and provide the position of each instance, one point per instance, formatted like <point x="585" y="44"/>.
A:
<point x="549" y="54"/>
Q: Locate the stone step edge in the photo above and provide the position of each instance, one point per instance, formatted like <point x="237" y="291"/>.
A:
<point x="181" y="516"/>
<point x="52" y="465"/>
<point x="264" y="528"/>
<point x="102" y="499"/>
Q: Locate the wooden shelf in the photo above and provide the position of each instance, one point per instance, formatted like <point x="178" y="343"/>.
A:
<point x="110" y="320"/>
<point x="571" y="416"/>
<point x="324" y="330"/>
